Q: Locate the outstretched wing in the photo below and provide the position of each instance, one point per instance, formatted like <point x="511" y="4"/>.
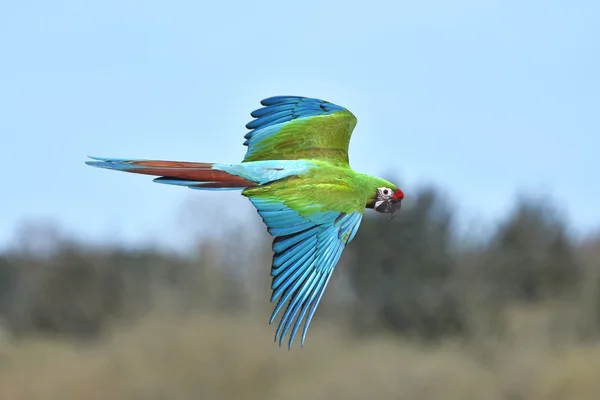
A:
<point x="294" y="127"/>
<point x="307" y="249"/>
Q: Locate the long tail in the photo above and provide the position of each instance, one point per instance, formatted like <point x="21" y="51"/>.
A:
<point x="195" y="175"/>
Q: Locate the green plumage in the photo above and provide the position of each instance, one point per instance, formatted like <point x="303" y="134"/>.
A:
<point x="319" y="137"/>
<point x="323" y="188"/>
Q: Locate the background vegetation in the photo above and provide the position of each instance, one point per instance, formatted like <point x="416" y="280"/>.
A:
<point x="416" y="310"/>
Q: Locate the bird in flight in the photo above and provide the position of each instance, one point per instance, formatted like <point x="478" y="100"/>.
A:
<point x="297" y="175"/>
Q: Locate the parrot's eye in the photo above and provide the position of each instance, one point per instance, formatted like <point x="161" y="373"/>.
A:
<point x="385" y="191"/>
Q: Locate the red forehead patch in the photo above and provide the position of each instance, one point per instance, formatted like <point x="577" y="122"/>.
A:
<point x="398" y="195"/>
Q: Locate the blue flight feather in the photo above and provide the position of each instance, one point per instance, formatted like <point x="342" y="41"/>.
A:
<point x="300" y="247"/>
<point x="296" y="303"/>
<point x="306" y="248"/>
<point x="280" y="246"/>
<point x="315" y="303"/>
<point x="269" y="101"/>
<point x="291" y="288"/>
<point x="311" y="293"/>
<point x="282" y="262"/>
<point x="261" y="112"/>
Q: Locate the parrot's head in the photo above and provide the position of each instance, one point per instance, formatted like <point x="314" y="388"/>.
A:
<point x="387" y="200"/>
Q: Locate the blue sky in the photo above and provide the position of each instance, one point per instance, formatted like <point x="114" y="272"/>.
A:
<point x="484" y="98"/>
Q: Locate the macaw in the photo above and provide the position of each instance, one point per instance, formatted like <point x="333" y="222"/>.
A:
<point x="297" y="175"/>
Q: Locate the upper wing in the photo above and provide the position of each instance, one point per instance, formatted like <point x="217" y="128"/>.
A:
<point x="307" y="248"/>
<point x="294" y="127"/>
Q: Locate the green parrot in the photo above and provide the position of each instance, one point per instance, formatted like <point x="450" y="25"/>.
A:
<point x="297" y="174"/>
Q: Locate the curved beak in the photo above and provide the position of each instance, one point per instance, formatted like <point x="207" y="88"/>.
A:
<point x="395" y="208"/>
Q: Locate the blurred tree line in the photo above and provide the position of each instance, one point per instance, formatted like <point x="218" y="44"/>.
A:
<point x="415" y="276"/>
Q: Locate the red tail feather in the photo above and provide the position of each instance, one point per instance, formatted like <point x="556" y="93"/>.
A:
<point x="188" y="171"/>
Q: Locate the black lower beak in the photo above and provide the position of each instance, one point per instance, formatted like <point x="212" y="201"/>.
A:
<point x="395" y="209"/>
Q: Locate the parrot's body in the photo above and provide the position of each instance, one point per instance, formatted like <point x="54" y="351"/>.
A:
<point x="297" y="175"/>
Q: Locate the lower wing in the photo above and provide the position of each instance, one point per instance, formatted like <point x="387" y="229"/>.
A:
<point x="307" y="249"/>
